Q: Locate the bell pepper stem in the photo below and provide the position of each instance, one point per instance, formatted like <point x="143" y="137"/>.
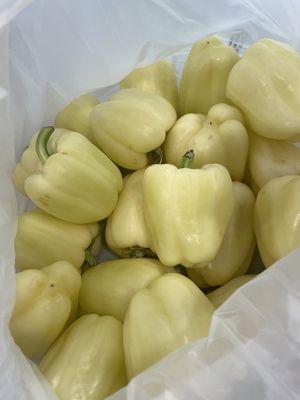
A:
<point x="89" y="258"/>
<point x="138" y="252"/>
<point x="41" y="143"/>
<point x="188" y="159"/>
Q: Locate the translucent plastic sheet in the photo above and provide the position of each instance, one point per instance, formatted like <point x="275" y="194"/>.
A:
<point x="53" y="50"/>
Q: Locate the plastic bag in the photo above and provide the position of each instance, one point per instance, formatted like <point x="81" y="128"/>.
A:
<point x="53" y="50"/>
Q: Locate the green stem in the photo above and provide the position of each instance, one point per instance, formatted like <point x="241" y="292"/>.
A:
<point x="188" y="159"/>
<point x="89" y="258"/>
<point x="41" y="143"/>
<point x="138" y="252"/>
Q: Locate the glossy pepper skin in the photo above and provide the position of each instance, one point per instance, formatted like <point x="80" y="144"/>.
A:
<point x="158" y="78"/>
<point x="220" y="137"/>
<point x="108" y="287"/>
<point x="28" y="165"/>
<point x="87" y="360"/>
<point x="167" y="314"/>
<point x="126" y="231"/>
<point x="78" y="183"/>
<point x="75" y="116"/>
<point x="236" y="251"/>
<point x="265" y="86"/>
<point x="199" y="203"/>
<point x="269" y="158"/>
<point x="205" y="74"/>
<point x="277" y="218"/>
<point x="130" y="125"/>
<point x="42" y="240"/>
<point x="46" y="301"/>
<point x="220" y="295"/>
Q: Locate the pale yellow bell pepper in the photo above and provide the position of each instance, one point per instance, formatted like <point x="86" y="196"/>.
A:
<point x="130" y="125"/>
<point x="126" y="232"/>
<point x="171" y="312"/>
<point x="220" y="138"/>
<point x="277" y="222"/>
<point x="236" y="251"/>
<point x="187" y="212"/>
<point x="76" y="115"/>
<point x="205" y="74"/>
<point x="87" y="361"/>
<point x="158" y="78"/>
<point x="42" y="239"/>
<point x="220" y="295"/>
<point x="265" y="85"/>
<point x="78" y="183"/>
<point x="46" y="301"/>
<point x="28" y="165"/>
<point x="108" y="288"/>
<point x="269" y="158"/>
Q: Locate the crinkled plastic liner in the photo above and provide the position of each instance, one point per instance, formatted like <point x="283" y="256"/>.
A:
<point x="53" y="50"/>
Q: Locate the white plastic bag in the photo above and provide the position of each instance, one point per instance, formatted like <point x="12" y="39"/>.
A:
<point x="53" y="50"/>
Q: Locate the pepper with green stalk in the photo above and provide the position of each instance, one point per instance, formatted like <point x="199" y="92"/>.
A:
<point x="76" y="182"/>
<point x="42" y="240"/>
<point x="199" y="203"/>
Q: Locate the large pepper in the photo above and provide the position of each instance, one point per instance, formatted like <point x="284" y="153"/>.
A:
<point x="76" y="115"/>
<point x="46" y="301"/>
<point x="171" y="312"/>
<point x="220" y="295"/>
<point x="269" y="158"/>
<point x="87" y="361"/>
<point x="108" y="288"/>
<point x="42" y="239"/>
<point x="78" y="183"/>
<point x="126" y="232"/>
<point x="158" y="78"/>
<point x="277" y="222"/>
<point x="130" y="125"/>
<point x="205" y="74"/>
<point x="236" y="251"/>
<point x="187" y="211"/>
<point x="265" y="85"/>
<point x="220" y="138"/>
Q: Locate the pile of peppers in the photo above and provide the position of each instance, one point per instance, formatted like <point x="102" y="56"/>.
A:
<point x="180" y="184"/>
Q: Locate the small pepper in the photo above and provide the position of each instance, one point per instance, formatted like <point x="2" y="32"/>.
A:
<point x="130" y="125"/>
<point x="220" y="137"/>
<point x="46" y="302"/>
<point x="75" y="116"/>
<point x="236" y="251"/>
<point x="187" y="211"/>
<point x="108" y="287"/>
<point x="158" y="78"/>
<point x="269" y="158"/>
<point x="126" y="232"/>
<point x="77" y="183"/>
<point x="42" y="240"/>
<point x="204" y="76"/>
<point x="87" y="360"/>
<point x="167" y="314"/>
<point x="276" y="218"/>
<point x="265" y="86"/>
